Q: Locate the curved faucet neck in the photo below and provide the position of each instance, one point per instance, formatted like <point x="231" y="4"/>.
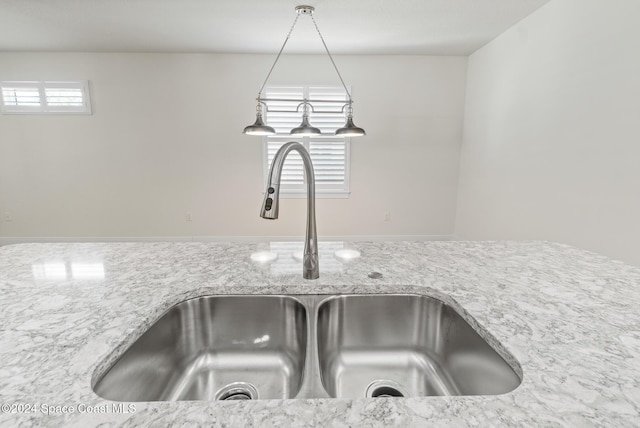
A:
<point x="271" y="203"/>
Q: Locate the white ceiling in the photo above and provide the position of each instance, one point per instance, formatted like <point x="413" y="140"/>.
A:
<point x="429" y="27"/>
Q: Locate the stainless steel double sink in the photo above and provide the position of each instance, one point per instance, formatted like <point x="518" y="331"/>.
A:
<point x="243" y="347"/>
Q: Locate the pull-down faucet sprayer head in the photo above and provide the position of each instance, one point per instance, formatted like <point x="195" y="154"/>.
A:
<point x="271" y="202"/>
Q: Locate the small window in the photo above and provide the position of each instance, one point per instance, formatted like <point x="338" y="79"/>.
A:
<point x="46" y="97"/>
<point x="329" y="154"/>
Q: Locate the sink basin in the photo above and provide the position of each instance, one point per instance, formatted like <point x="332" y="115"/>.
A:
<point x="404" y="345"/>
<point x="215" y="347"/>
<point x="307" y="346"/>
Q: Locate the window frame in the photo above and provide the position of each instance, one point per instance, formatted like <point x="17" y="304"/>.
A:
<point x="323" y="190"/>
<point x="44" y="108"/>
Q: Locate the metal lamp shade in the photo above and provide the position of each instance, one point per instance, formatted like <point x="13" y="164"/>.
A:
<point x="305" y="129"/>
<point x="259" y="128"/>
<point x="350" y="130"/>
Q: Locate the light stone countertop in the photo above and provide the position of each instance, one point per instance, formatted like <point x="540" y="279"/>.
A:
<point x="571" y="319"/>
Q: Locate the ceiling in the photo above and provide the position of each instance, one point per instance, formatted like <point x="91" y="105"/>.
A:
<point x="426" y="27"/>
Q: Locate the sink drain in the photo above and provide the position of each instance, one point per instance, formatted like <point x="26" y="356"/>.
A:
<point x="236" y="396"/>
<point x="385" y="388"/>
<point x="237" y="391"/>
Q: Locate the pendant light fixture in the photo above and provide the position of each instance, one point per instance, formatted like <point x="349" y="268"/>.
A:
<point x="349" y="129"/>
<point x="259" y="127"/>
<point x="305" y="128"/>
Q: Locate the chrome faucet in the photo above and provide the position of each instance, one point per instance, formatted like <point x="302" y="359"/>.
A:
<point x="310" y="269"/>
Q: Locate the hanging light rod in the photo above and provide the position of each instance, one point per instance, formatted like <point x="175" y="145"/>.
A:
<point x="261" y="128"/>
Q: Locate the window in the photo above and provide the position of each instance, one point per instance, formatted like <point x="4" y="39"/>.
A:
<point x="48" y="97"/>
<point x="329" y="154"/>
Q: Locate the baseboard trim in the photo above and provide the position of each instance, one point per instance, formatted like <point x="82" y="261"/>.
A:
<point x="8" y="240"/>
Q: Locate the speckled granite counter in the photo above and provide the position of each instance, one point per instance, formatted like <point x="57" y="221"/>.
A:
<point x="571" y="318"/>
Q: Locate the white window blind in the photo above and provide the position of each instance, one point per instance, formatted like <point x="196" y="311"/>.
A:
<point x="45" y="97"/>
<point x="329" y="154"/>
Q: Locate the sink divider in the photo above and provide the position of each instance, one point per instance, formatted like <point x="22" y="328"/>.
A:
<point x="311" y="386"/>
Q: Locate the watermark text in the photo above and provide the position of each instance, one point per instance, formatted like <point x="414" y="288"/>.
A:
<point x="57" y="409"/>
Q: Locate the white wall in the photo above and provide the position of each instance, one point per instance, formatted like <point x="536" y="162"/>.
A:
<point x="551" y="146"/>
<point x="165" y="139"/>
